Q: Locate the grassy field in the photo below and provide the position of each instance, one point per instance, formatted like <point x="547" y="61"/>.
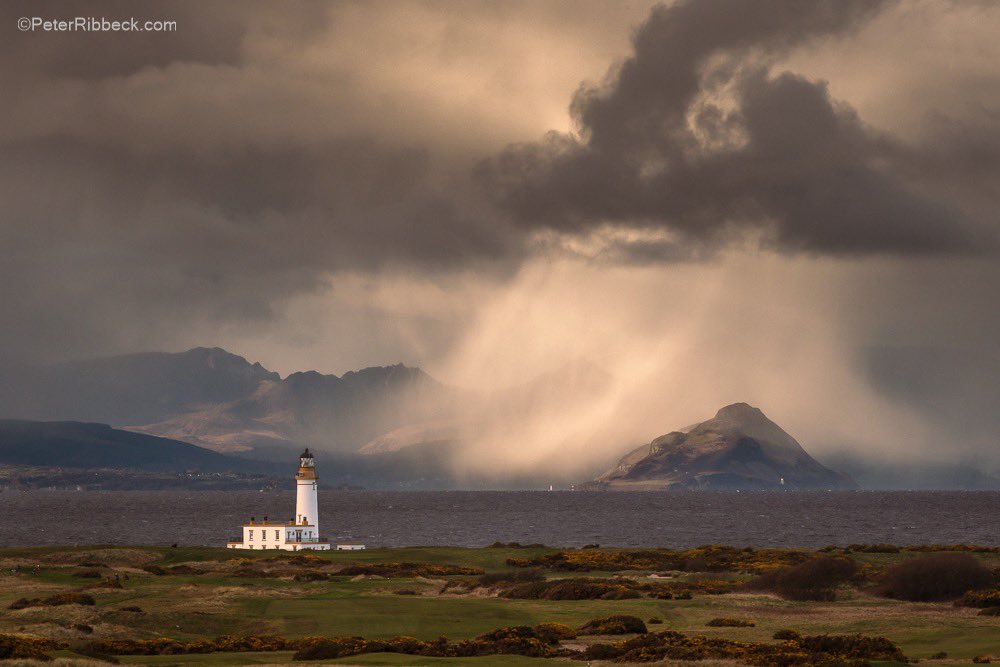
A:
<point x="217" y="592"/>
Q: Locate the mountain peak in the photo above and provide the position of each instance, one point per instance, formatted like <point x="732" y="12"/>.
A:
<point x="739" y="412"/>
<point x="740" y="448"/>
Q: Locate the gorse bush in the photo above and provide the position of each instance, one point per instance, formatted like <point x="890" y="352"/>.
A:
<point x="937" y="577"/>
<point x="408" y="570"/>
<point x="14" y="646"/>
<point x="730" y="623"/>
<point x="825" y="651"/>
<point x="981" y="599"/>
<point x="816" y="579"/>
<point x="710" y="558"/>
<point x="573" y="589"/>
<point x="613" y="625"/>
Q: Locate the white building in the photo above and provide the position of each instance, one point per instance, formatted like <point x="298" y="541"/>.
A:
<point x="299" y="534"/>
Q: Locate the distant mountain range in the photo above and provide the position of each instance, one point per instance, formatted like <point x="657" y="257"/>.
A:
<point x="219" y="400"/>
<point x="395" y="426"/>
<point x="90" y="446"/>
<point x="739" y="448"/>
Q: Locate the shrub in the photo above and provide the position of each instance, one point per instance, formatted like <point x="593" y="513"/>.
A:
<point x="131" y="608"/>
<point x="54" y="601"/>
<point x="981" y="599"/>
<point x="13" y="647"/>
<point x="730" y="623"/>
<point x="937" y="577"/>
<point x="655" y="621"/>
<point x="981" y="660"/>
<point x="815" y="579"/>
<point x="408" y="570"/>
<point x="328" y="649"/>
<point x="553" y="633"/>
<point x="787" y="635"/>
<point x="857" y="647"/>
<point x="613" y="625"/>
<point x="940" y="655"/>
<point x="573" y="589"/>
<point x="828" y="651"/>
<point x="709" y="558"/>
<point x="990" y="611"/>
<point x="155" y="570"/>
<point x="309" y="575"/>
<point x="405" y="591"/>
<point x="84" y="628"/>
<point x="874" y="548"/>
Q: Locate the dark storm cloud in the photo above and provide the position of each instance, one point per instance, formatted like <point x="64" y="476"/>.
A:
<point x="694" y="134"/>
<point x="212" y="174"/>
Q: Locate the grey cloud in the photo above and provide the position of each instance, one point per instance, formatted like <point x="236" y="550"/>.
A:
<point x="656" y="150"/>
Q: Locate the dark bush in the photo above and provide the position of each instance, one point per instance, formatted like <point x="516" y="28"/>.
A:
<point x="940" y="655"/>
<point x="816" y="579"/>
<point x="328" y="649"/>
<point x="981" y="660"/>
<point x="655" y="621"/>
<point x="859" y="647"/>
<point x="54" y="601"/>
<point x="155" y="569"/>
<point x="573" y="589"/>
<point x="981" y="599"/>
<point x="601" y="652"/>
<point x="133" y="609"/>
<point x="91" y="563"/>
<point x="937" y="577"/>
<point x="310" y="575"/>
<point x="84" y="628"/>
<point x="405" y="591"/>
<point x="874" y="548"/>
<point x="828" y="651"/>
<point x="787" y="635"/>
<point x="613" y="625"/>
<point x="553" y="633"/>
<point x="730" y="623"/>
<point x="990" y="611"/>
<point x="408" y="570"/>
<point x="13" y="646"/>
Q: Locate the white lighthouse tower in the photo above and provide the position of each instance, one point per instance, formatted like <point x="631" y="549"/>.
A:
<point x="302" y="532"/>
<point x="306" y="503"/>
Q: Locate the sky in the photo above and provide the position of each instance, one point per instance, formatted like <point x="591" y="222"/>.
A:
<point x="793" y="204"/>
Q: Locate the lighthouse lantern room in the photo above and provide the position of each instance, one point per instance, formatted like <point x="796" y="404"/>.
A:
<point x="302" y="532"/>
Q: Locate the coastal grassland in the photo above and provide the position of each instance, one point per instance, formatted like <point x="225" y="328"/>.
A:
<point x="191" y="594"/>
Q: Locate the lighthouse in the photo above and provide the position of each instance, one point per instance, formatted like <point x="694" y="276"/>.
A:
<point x="302" y="532"/>
<point x="306" y="504"/>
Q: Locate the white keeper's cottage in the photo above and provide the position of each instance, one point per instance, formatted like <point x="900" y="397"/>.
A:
<point x="302" y="532"/>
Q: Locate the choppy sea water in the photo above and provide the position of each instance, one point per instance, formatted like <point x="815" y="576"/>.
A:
<point x="478" y="518"/>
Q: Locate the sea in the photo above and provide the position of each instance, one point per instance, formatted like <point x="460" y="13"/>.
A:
<point x="480" y="518"/>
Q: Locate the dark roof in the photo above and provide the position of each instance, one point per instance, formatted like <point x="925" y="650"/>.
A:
<point x="306" y="454"/>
